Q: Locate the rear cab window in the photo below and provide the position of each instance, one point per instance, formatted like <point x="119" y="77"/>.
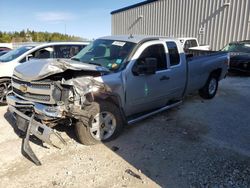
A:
<point x="190" y="43"/>
<point x="173" y="52"/>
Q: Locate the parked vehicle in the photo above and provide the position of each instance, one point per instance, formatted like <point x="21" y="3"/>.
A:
<point x="6" y="46"/>
<point x="5" y="49"/>
<point x="22" y="54"/>
<point x="239" y="55"/>
<point x="193" y="44"/>
<point x="3" y="52"/>
<point x="114" y="81"/>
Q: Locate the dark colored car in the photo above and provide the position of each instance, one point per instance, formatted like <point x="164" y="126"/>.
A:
<point x="239" y="55"/>
<point x="4" y="49"/>
<point x="3" y="52"/>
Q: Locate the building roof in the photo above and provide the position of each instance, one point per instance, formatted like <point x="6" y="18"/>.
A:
<point x="132" y="6"/>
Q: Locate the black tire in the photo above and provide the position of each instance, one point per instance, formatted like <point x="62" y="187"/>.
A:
<point x="206" y="92"/>
<point x="5" y="84"/>
<point x="83" y="126"/>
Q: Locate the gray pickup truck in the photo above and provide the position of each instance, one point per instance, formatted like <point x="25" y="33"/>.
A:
<point x="116" y="80"/>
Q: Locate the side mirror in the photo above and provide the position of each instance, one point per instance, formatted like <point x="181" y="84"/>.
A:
<point x="145" y="66"/>
<point x="28" y="57"/>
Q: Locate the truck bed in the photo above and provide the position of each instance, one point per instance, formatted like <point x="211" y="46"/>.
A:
<point x="199" y="68"/>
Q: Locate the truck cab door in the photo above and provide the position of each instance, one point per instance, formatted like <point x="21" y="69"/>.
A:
<point x="147" y="91"/>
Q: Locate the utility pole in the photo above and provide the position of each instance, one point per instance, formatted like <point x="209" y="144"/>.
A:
<point x="65" y="28"/>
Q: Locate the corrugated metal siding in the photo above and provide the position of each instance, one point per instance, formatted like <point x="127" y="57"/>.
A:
<point x="184" y="18"/>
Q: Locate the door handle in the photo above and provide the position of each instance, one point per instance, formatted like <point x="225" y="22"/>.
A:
<point x="164" y="78"/>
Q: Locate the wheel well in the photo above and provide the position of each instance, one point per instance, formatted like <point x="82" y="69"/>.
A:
<point x="5" y="78"/>
<point x="112" y="99"/>
<point x="216" y="73"/>
<point x="109" y="98"/>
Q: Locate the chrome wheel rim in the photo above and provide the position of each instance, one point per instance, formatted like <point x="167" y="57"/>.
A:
<point x="103" y="126"/>
<point x="4" y="89"/>
<point x="212" y="86"/>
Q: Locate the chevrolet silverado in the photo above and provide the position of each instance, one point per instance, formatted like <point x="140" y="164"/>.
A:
<point x="114" y="81"/>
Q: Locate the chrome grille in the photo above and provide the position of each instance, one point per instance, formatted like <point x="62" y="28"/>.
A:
<point x="36" y="91"/>
<point x="32" y="96"/>
<point x="33" y="84"/>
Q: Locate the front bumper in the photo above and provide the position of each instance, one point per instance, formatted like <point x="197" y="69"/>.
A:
<point x="41" y="109"/>
<point x="33" y="127"/>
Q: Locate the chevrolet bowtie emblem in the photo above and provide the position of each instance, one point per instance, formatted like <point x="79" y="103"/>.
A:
<point x="23" y="88"/>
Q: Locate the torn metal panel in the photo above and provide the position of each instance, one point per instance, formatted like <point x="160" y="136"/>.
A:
<point x="84" y="85"/>
<point x="41" y="131"/>
<point x="38" y="69"/>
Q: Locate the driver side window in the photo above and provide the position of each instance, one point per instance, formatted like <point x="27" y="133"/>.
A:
<point x="43" y="53"/>
<point x="155" y="51"/>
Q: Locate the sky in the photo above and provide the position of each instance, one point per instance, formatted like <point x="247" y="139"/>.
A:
<point x="84" y="18"/>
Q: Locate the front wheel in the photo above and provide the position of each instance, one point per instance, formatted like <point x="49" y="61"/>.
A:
<point x="210" y="89"/>
<point x="5" y="87"/>
<point x="103" y="122"/>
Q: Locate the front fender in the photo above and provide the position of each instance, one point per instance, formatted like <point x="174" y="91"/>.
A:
<point x="6" y="69"/>
<point x="113" y="98"/>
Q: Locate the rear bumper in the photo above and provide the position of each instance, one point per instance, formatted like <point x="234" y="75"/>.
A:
<point x="33" y="127"/>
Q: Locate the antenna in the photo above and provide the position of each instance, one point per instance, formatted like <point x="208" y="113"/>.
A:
<point x="133" y="24"/>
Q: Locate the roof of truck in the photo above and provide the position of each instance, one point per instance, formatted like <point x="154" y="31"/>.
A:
<point x="134" y="38"/>
<point x="187" y="38"/>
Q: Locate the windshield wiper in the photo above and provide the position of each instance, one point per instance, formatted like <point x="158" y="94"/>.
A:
<point x="75" y="59"/>
<point x="88" y="62"/>
<point x="93" y="63"/>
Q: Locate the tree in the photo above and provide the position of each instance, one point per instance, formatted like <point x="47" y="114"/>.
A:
<point x="36" y="36"/>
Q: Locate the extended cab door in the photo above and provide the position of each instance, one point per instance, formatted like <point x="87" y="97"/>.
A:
<point x="145" y="92"/>
<point x="148" y="92"/>
<point x="177" y="70"/>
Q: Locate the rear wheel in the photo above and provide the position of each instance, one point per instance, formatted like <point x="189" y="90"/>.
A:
<point x="5" y="87"/>
<point x="103" y="122"/>
<point x="210" y="89"/>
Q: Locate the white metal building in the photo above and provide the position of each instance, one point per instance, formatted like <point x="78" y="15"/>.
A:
<point x="213" y="22"/>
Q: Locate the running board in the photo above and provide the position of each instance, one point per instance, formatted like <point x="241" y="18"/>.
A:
<point x="154" y="112"/>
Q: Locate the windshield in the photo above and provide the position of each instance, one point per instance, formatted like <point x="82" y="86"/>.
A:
<point x="237" y="47"/>
<point x="13" y="54"/>
<point x="106" y="53"/>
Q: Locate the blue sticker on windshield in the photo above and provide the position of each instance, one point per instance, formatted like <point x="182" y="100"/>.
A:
<point x="119" y="61"/>
<point x="109" y="65"/>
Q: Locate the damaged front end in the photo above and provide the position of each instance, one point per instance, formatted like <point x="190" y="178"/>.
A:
<point x="40" y="105"/>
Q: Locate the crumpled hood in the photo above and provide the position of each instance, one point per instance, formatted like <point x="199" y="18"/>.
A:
<point x="38" y="69"/>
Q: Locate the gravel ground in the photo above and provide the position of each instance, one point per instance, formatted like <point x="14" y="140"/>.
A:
<point x="202" y="143"/>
